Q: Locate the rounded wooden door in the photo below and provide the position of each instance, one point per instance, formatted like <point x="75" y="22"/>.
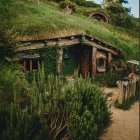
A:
<point x="69" y="63"/>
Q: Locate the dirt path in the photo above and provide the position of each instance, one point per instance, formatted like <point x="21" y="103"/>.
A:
<point x="124" y="125"/>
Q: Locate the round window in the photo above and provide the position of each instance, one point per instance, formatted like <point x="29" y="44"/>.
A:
<point x="100" y="63"/>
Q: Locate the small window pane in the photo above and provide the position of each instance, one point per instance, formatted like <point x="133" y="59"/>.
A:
<point x="100" y="63"/>
<point x="35" y="64"/>
<point x="27" y="65"/>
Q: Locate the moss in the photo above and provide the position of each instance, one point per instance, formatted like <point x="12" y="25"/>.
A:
<point x="49" y="56"/>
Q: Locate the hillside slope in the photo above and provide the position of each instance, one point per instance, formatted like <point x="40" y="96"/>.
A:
<point x="33" y="21"/>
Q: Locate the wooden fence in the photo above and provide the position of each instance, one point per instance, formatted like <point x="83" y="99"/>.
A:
<point x="127" y="89"/>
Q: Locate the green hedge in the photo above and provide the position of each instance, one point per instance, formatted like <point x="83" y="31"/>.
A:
<point x="108" y="79"/>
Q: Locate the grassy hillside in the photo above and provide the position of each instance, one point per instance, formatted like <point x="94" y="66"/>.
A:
<point x="33" y="21"/>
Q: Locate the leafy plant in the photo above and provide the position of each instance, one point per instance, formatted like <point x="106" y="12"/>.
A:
<point x="7" y="45"/>
<point x="52" y="109"/>
<point x="86" y="3"/>
<point x="67" y="3"/>
<point x="126" y="105"/>
<point x="107" y="79"/>
<point x="88" y="109"/>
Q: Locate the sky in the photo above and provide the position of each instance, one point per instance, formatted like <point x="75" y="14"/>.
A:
<point x="134" y="4"/>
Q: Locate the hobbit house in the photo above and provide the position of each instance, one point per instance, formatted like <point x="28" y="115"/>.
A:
<point x="67" y="55"/>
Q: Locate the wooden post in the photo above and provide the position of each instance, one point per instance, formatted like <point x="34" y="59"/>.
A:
<point x="120" y="97"/>
<point x="109" y="61"/>
<point x="59" y="63"/>
<point x="133" y="68"/>
<point x="94" y="50"/>
<point x="24" y="63"/>
<point x="38" y="65"/>
<point x="30" y="65"/>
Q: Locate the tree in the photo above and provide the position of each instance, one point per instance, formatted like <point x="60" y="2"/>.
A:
<point x="119" y="14"/>
<point x="7" y="45"/>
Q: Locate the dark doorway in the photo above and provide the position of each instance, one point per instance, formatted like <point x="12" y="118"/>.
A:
<point x="69" y="62"/>
<point x="77" y="60"/>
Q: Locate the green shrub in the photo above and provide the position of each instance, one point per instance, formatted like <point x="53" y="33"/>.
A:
<point x="7" y="44"/>
<point x="86" y="3"/>
<point x="108" y="79"/>
<point x="88" y="110"/>
<point x="53" y="109"/>
<point x="126" y="105"/>
<point x="8" y="78"/>
<point x="13" y="86"/>
<point x="65" y="3"/>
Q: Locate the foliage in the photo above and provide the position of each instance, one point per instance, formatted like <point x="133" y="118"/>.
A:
<point x="3" y="2"/>
<point x="86" y="3"/>
<point x="7" y="45"/>
<point x="10" y="83"/>
<point x="68" y="3"/>
<point x="49" y="56"/>
<point x="89" y="111"/>
<point x="107" y="79"/>
<point x="126" y="105"/>
<point x="119" y="13"/>
<point x="52" y="109"/>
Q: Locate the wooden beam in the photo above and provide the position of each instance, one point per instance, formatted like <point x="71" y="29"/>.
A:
<point x="94" y="50"/>
<point x="64" y="42"/>
<point x="109" y="61"/>
<point x="68" y="42"/>
<point x="30" y="47"/>
<point x="100" y="47"/>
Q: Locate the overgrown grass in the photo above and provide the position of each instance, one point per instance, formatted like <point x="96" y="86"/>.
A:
<point x="45" y="20"/>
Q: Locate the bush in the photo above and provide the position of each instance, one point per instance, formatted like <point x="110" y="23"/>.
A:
<point x="126" y="105"/>
<point x="108" y="79"/>
<point x="53" y="109"/>
<point x="7" y="44"/>
<point x="88" y="110"/>
<point x="68" y="3"/>
<point x="120" y="16"/>
<point x="12" y="84"/>
<point x="86" y="3"/>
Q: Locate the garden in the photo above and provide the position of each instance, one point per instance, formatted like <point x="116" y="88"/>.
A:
<point x="50" y="109"/>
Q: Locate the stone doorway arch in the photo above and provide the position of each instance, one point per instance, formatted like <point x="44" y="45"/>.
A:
<point x="99" y="16"/>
